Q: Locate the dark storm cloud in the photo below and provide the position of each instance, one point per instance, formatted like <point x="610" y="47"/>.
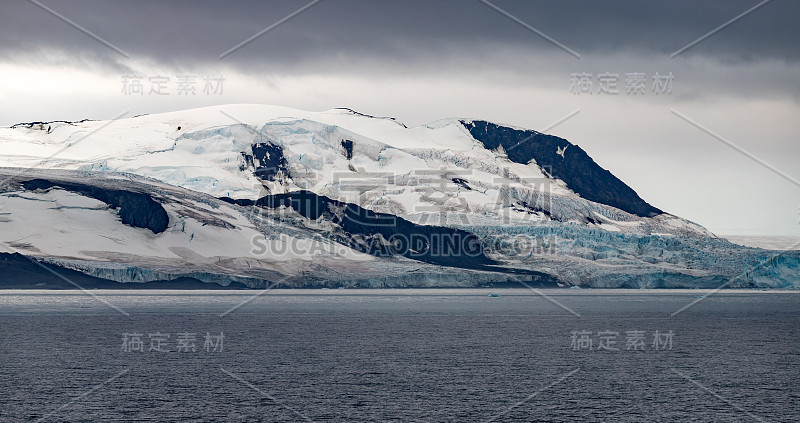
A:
<point x="405" y="32"/>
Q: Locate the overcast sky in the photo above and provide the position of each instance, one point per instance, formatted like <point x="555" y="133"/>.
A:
<point x="419" y="61"/>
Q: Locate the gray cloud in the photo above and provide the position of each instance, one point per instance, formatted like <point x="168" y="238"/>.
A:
<point x="199" y="31"/>
<point x="753" y="56"/>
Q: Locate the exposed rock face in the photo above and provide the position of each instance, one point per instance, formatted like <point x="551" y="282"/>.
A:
<point x="20" y="272"/>
<point x="267" y="161"/>
<point x="348" y="149"/>
<point x="381" y="234"/>
<point x="564" y="161"/>
<point x="135" y="209"/>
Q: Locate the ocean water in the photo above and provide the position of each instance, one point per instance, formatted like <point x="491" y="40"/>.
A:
<point x="399" y="355"/>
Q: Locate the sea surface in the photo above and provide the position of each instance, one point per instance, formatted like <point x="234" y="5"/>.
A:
<point x="399" y="355"/>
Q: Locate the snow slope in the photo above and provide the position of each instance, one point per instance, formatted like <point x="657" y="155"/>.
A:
<point x="206" y="239"/>
<point x="410" y="172"/>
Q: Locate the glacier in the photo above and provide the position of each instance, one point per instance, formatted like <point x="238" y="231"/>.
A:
<point x="87" y="196"/>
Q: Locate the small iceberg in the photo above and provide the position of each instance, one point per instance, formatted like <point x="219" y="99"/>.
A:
<point x="493" y="294"/>
<point x="575" y="287"/>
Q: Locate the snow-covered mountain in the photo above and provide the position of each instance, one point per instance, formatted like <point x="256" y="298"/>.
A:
<point x="263" y="195"/>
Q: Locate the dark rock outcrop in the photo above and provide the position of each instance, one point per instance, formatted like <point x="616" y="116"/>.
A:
<point x="564" y="161"/>
<point x="382" y="234"/>
<point x="267" y="161"/>
<point x="41" y="125"/>
<point x="21" y="272"/>
<point x="348" y="149"/>
<point x="387" y="235"/>
<point x="135" y="209"/>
